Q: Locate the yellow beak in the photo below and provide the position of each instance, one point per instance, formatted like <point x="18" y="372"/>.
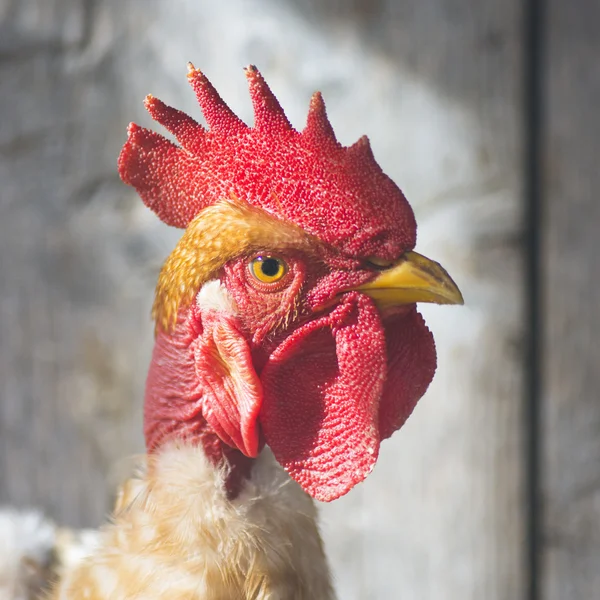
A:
<point x="412" y="278"/>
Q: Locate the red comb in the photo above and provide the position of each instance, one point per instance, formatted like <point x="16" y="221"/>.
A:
<point x="337" y="193"/>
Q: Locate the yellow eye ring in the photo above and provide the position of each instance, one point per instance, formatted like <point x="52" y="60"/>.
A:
<point x="268" y="269"/>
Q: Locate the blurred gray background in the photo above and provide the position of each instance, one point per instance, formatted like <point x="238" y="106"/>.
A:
<point x="485" y="112"/>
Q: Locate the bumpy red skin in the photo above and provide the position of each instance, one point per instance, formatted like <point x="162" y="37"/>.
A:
<point x="327" y="387"/>
<point x="338" y="194"/>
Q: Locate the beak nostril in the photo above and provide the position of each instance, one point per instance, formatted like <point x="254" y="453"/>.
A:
<point x="378" y="264"/>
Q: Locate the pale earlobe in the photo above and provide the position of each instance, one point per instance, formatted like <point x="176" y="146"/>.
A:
<point x="213" y="295"/>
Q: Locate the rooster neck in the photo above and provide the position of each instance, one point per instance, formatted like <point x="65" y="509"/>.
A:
<point x="176" y="534"/>
<point x="236" y="467"/>
<point x="173" y="409"/>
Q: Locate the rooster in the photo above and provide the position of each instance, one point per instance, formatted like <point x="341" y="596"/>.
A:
<point x="288" y="346"/>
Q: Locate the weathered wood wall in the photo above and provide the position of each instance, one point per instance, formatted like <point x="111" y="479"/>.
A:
<point x="438" y="86"/>
<point x="570" y="543"/>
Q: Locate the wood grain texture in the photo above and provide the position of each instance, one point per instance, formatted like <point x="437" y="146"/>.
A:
<point x="571" y="296"/>
<point x="76" y="283"/>
<point x="436" y="85"/>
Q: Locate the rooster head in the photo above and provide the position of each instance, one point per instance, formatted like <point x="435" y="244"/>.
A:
<point x="286" y="314"/>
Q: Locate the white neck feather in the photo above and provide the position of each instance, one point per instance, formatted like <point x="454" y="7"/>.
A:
<point x="176" y="535"/>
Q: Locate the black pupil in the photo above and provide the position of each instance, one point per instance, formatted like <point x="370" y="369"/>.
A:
<point x="269" y="267"/>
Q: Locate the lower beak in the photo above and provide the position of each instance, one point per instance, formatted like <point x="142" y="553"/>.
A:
<point x="412" y="278"/>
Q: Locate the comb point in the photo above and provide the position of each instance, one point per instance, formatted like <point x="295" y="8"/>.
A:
<point x="268" y="113"/>
<point x="318" y="128"/>
<point x="362" y="147"/>
<point x="188" y="132"/>
<point x="216" y="112"/>
<point x="150" y="101"/>
<point x="132" y="129"/>
<point x="316" y="101"/>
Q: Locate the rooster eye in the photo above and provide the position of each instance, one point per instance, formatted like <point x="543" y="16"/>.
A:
<point x="268" y="269"/>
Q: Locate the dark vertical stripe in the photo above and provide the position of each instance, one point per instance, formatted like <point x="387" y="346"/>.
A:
<point x="533" y="45"/>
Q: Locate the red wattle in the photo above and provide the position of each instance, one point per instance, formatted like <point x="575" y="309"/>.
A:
<point x="232" y="393"/>
<point x="411" y="366"/>
<point x="322" y="387"/>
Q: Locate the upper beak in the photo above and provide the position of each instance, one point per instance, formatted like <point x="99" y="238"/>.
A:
<point x="412" y="278"/>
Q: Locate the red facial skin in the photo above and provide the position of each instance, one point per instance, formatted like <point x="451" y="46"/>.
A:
<point x="305" y="366"/>
<point x="329" y="384"/>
